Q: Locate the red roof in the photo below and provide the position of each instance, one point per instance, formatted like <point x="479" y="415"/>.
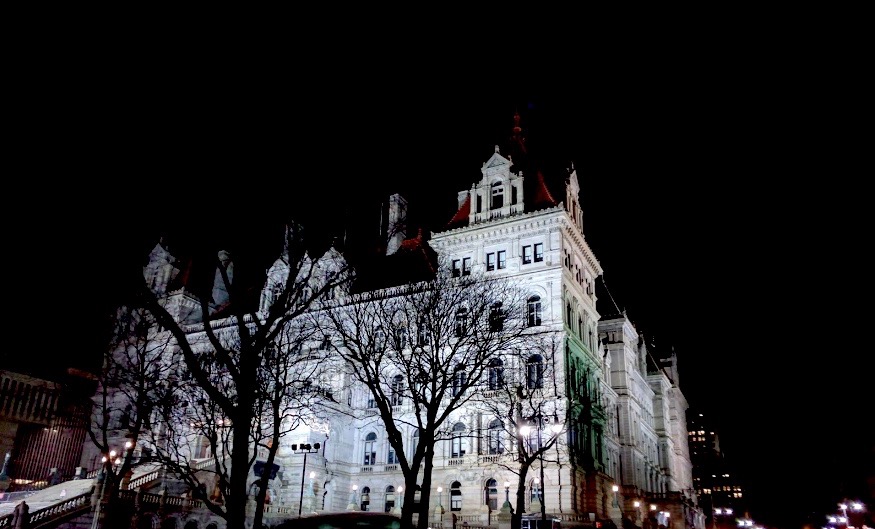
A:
<point x="461" y="216"/>
<point x="543" y="198"/>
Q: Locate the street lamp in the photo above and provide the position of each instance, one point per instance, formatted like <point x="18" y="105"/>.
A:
<point x="400" y="500"/>
<point x="720" y="512"/>
<point x="555" y="429"/>
<point x="745" y="522"/>
<point x="305" y="449"/>
<point x="353" y="504"/>
<point x="637" y="505"/>
<point x="440" y="491"/>
<point x="538" y="488"/>
<point x="107" y="464"/>
<point x="855" y="506"/>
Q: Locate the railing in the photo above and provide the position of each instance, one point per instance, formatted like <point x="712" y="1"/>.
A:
<point x="43" y="517"/>
<point x="455" y="461"/>
<point x="145" y="478"/>
<point x="52" y="512"/>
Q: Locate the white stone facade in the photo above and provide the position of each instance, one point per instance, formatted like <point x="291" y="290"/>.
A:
<point x="629" y="424"/>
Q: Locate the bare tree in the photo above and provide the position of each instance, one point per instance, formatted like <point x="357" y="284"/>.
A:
<point x="420" y="352"/>
<point x="235" y="386"/>
<point x="129" y="385"/>
<point x="523" y="411"/>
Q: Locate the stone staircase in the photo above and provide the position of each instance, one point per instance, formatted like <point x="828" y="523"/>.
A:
<point x="52" y="505"/>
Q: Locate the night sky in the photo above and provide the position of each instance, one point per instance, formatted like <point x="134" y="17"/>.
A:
<point x="724" y="201"/>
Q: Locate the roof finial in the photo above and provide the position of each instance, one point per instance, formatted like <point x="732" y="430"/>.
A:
<point x="517" y="136"/>
<point x="496" y="149"/>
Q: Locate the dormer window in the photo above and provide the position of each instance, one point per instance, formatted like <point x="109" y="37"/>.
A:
<point x="497" y="195"/>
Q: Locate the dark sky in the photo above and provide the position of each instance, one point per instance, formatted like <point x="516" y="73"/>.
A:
<point x="724" y="199"/>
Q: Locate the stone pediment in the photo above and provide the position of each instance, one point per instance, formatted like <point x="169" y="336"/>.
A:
<point x="496" y="160"/>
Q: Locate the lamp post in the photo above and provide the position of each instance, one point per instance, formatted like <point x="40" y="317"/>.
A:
<point x="305" y="449"/>
<point x="536" y="504"/>
<point x="720" y="512"/>
<point x="440" y="491"/>
<point x="107" y="464"/>
<point x="745" y="522"/>
<point x="555" y="429"/>
<point x="855" y="506"/>
<point x="400" y="505"/>
<point x="353" y="504"/>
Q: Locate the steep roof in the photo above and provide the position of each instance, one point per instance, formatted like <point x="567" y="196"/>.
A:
<point x="414" y="261"/>
<point x="461" y="217"/>
<point x="540" y="185"/>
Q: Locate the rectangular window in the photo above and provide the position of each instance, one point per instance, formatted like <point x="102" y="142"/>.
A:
<point x="527" y="254"/>
<point x="390" y="457"/>
<point x="422" y="336"/>
<point x="456" y="502"/>
<point x="539" y="252"/>
<point x="466" y="266"/>
<point x="496" y="264"/>
<point x="456" y="270"/>
<point x="496" y="318"/>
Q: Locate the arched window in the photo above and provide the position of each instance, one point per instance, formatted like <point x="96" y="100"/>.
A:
<point x="460" y="377"/>
<point x="461" y="323"/>
<point x="390" y="498"/>
<point x="497" y="195"/>
<point x="495" y="379"/>
<point x="400" y="337"/>
<point x="535" y="490"/>
<point x="397" y="390"/>
<point x="458" y="440"/>
<point x="414" y="442"/>
<point x="495" y="444"/>
<point x="422" y="336"/>
<point x="535" y="372"/>
<point x="456" y="496"/>
<point x="491" y="496"/>
<point x="534" y="311"/>
<point x="370" y="450"/>
<point x="366" y="498"/>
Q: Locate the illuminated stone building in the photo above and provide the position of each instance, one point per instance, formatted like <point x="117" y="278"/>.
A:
<point x="624" y="444"/>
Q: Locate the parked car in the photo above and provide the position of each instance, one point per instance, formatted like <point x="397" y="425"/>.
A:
<point x="346" y="520"/>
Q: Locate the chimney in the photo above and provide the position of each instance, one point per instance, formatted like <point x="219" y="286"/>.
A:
<point x="395" y="223"/>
